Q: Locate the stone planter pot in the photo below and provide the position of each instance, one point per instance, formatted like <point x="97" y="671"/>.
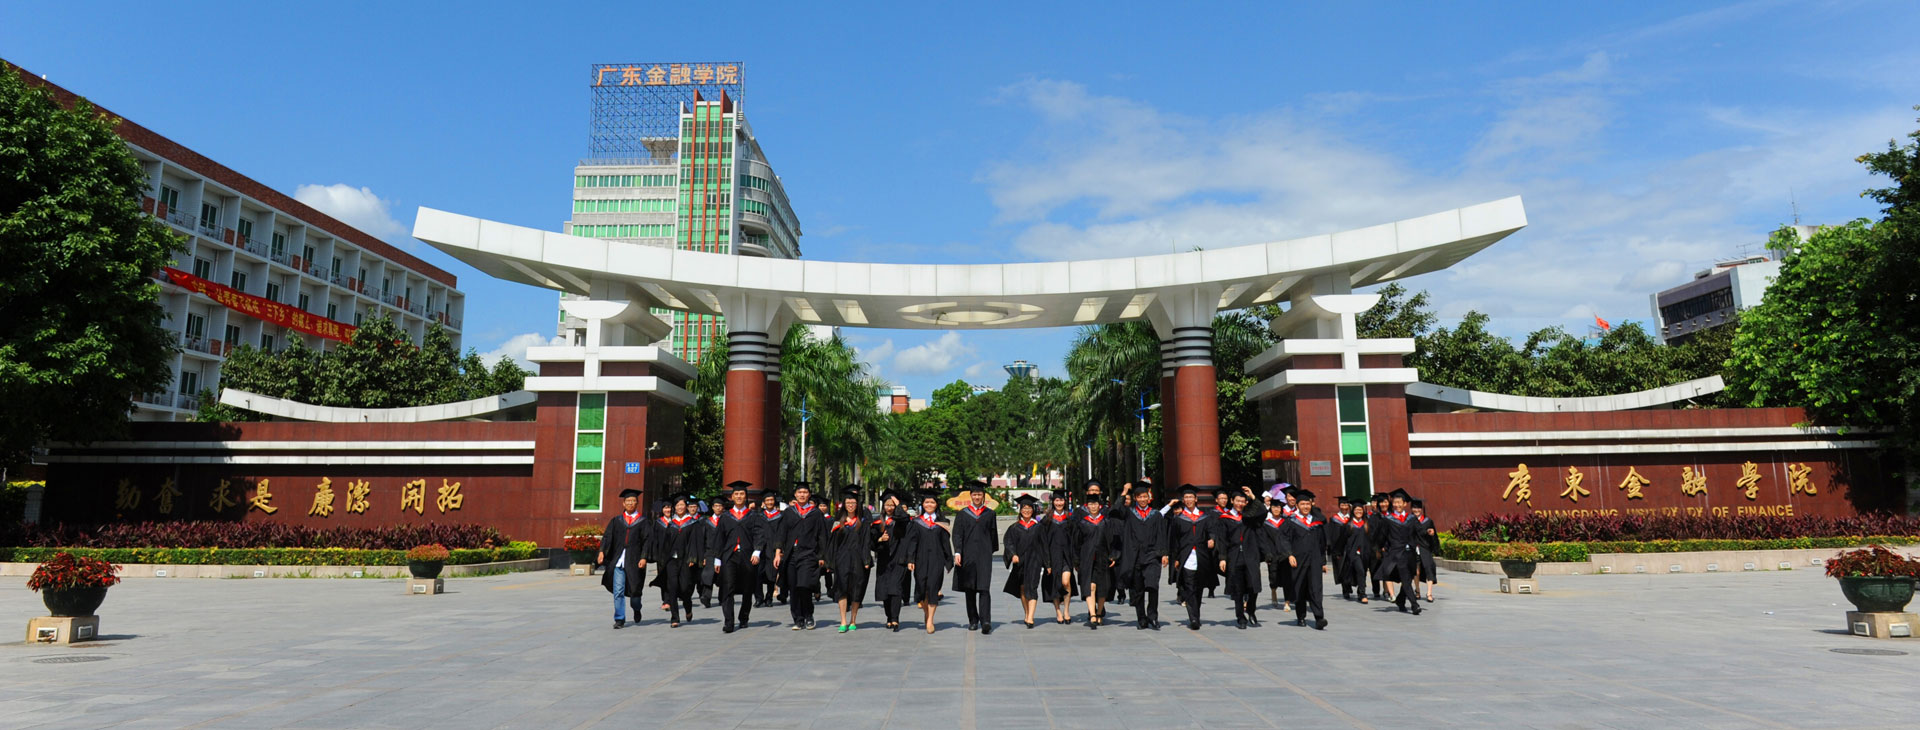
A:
<point x="1518" y="568"/>
<point x="425" y="568"/>
<point x="1877" y="593"/>
<point x="582" y="557"/>
<point x="73" y="601"/>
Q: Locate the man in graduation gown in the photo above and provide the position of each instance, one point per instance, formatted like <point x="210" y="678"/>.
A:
<point x="890" y="587"/>
<point x="772" y="575"/>
<point x="1302" y="538"/>
<point x="1143" y="553"/>
<point x="734" y="546"/>
<point x="623" y="559"/>
<point x="1237" y="536"/>
<point x="1375" y="529"/>
<point x="802" y="549"/>
<point x="1190" y="550"/>
<point x="1399" y="542"/>
<point x="976" y="537"/>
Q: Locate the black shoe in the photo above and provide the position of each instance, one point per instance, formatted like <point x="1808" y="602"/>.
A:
<point x="1140" y="625"/>
<point x="1193" y="625"/>
<point x="1402" y="607"/>
<point x="1028" y="623"/>
<point x="896" y="628"/>
<point x="1320" y="624"/>
<point x="973" y="625"/>
<point x="1416" y="609"/>
<point x="1155" y="625"/>
<point x="619" y="624"/>
<point x="1254" y="622"/>
<point x="1093" y="625"/>
<point x="986" y="628"/>
<point x="1240" y="623"/>
<point x="1300" y="622"/>
<point x="727" y="629"/>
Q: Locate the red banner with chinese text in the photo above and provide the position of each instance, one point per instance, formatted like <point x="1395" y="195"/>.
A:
<point x="265" y="310"/>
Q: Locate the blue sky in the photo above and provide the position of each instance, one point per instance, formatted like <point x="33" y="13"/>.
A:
<point x="1647" y="139"/>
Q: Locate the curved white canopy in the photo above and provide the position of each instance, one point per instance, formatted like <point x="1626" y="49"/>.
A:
<point x="975" y="296"/>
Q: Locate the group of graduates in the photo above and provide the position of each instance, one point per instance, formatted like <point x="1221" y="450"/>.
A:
<point x="758" y="552"/>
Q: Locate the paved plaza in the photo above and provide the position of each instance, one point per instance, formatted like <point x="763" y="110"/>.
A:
<point x="537" y="650"/>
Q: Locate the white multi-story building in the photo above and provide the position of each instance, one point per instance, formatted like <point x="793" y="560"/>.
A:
<point x="1717" y="296"/>
<point x="678" y="169"/>
<point x="293" y="271"/>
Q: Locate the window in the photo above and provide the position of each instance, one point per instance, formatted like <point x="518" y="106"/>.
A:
<point x="279" y="249"/>
<point x="169" y="197"/>
<point x="209" y="215"/>
<point x="306" y="256"/>
<point x="335" y="270"/>
<point x="189" y="383"/>
<point x="245" y="229"/>
<point x="273" y="291"/>
<point x="356" y="318"/>
<point x="589" y="451"/>
<point x="202" y="268"/>
<point x="196" y="325"/>
<point x="238" y="281"/>
<point x="407" y="294"/>
<point x="333" y="311"/>
<point x="363" y="276"/>
<point x="305" y="303"/>
<point x="266" y="342"/>
<point x="386" y="286"/>
<point x="233" y="336"/>
<point x="629" y="230"/>
<point x="1356" y="471"/>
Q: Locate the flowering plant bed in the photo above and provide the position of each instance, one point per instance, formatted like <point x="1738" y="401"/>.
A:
<point x="1453" y="548"/>
<point x="582" y="539"/>
<point x="230" y="535"/>
<point x="1540" y="528"/>
<point x="428" y="554"/>
<point x="66" y="571"/>
<point x="1874" y="560"/>
<point x="266" y="556"/>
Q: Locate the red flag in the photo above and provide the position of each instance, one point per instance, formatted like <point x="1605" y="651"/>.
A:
<point x="1603" y="323"/>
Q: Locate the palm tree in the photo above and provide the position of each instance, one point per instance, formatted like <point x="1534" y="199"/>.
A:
<point x="826" y="379"/>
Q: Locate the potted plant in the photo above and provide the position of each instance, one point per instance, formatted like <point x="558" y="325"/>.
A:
<point x="583" y="544"/>
<point x="1875" y="579"/>
<point x="425" y="561"/>
<point x="1517" y="559"/>
<point x="73" y="586"/>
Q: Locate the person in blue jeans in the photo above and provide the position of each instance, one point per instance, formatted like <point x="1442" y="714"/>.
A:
<point x="623" y="557"/>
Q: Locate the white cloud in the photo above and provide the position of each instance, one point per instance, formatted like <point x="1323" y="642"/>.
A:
<point x="932" y="358"/>
<point x="979" y="372"/>
<point x="357" y="207"/>
<point x="516" y="347"/>
<point x="876" y="355"/>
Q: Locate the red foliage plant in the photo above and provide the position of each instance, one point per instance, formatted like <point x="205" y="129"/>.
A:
<point x="1608" y="528"/>
<point x="67" y="572"/>
<point x="224" y="535"/>
<point x="1873" y="560"/>
<point x="428" y="553"/>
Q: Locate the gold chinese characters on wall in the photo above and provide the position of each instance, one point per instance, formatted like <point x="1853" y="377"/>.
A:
<point x="128" y="497"/>
<point x="1689" y="480"/>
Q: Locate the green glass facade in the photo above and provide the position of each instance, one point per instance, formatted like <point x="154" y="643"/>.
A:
<point x="589" y="451"/>
<point x="1356" y="464"/>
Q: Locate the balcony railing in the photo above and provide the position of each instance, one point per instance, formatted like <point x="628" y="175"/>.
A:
<point x="199" y="343"/>
<point x="163" y="399"/>
<point x="252" y="246"/>
<point x="188" y="401"/>
<point x="210" y="231"/>
<point x="417" y="310"/>
<point x="280" y="256"/>
<point x="180" y="218"/>
<point x="318" y="272"/>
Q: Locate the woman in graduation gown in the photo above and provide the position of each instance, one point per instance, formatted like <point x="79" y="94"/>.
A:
<point x="703" y="530"/>
<point x="888" y="533"/>
<point x="1095" y="548"/>
<point x="849" y="557"/>
<point x="1056" y="536"/>
<point x="928" y="554"/>
<point x="1238" y="545"/>
<point x="1021" y="550"/>
<point x="679" y="558"/>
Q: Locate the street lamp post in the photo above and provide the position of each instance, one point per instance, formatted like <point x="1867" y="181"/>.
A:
<point x="1139" y="450"/>
<point x="805" y="415"/>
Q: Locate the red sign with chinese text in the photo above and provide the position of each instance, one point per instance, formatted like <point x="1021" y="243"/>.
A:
<point x="260" y="308"/>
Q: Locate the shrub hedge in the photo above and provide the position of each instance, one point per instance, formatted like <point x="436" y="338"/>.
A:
<point x="1578" y="552"/>
<point x="232" y="535"/>
<point x="264" y="556"/>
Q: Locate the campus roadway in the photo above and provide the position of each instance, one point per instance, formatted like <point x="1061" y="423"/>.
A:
<point x="537" y="650"/>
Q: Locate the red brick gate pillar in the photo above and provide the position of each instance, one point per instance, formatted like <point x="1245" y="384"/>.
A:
<point x="1183" y="318"/>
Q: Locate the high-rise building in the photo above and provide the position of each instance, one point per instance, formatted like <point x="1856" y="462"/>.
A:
<point x="260" y="268"/>
<point x="675" y="164"/>
<point x="1717" y="295"/>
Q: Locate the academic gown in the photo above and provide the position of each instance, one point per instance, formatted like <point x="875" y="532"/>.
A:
<point x="1187" y="536"/>
<point x="804" y="542"/>
<point x="1429" y="542"/>
<point x="1057" y="550"/>
<point x="632" y="538"/>
<point x="1095" y="552"/>
<point x="1347" y="541"/>
<point x="1398" y="541"/>
<point x="771" y="530"/>
<point x="1143" y="541"/>
<point x="1023" y="539"/>
<point x="976" y="537"/>
<point x="673" y="551"/>
<point x="892" y="579"/>
<point x="1237" y="541"/>
<point x="928" y="547"/>
<point x="1303" y="537"/>
<point x="702" y="548"/>
<point x="733" y="541"/>
<point x="850" y="557"/>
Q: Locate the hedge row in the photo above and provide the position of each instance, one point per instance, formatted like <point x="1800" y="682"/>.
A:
<point x="1578" y="552"/>
<point x="265" y="556"/>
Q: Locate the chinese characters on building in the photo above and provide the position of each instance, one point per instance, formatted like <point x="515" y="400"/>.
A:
<point x="127" y="497"/>
<point x="673" y="74"/>
<point x="1689" y="481"/>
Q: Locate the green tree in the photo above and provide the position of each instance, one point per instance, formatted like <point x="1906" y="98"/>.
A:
<point x="80" y="331"/>
<point x="703" y="440"/>
<point x="951" y="394"/>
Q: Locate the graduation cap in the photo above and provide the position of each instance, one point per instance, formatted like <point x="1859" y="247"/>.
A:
<point x="625" y="493"/>
<point x="925" y="494"/>
<point x="1094" y="484"/>
<point x="1301" y="493"/>
<point x="738" y="485"/>
<point x="1420" y="504"/>
<point x="1383" y="496"/>
<point x="851" y="491"/>
<point x="1186" y="489"/>
<point x="1142" y="488"/>
<point x="1400" y="494"/>
<point x="975" y="486"/>
<point x="1093" y="499"/>
<point x="1344" y="499"/>
<point x="1026" y="500"/>
<point x="796" y="486"/>
<point x="894" y="494"/>
<point x="1061" y="494"/>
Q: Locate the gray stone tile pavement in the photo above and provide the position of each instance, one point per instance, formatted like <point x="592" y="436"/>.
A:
<point x="537" y="650"/>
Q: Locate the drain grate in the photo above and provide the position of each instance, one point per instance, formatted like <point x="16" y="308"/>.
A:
<point x="73" y="659"/>
<point x="1869" y="652"/>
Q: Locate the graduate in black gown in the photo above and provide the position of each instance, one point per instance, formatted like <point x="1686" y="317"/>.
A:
<point x="772" y="576"/>
<point x="1190" y="550"/>
<point x="678" y="557"/>
<point x="733" y="549"/>
<point x="1215" y="575"/>
<point x="1348" y="533"/>
<point x="623" y="559"/>
<point x="1399" y="543"/>
<point x="889" y="529"/>
<point x="1429" y="545"/>
<point x="1143" y="554"/>
<point x="1056" y="536"/>
<point x="1095" y="551"/>
<point x="850" y="557"/>
<point x="1238" y="540"/>
<point x="928" y="554"/>
<point x="1375" y="515"/>
<point x="976" y="537"/>
<point x="703" y="578"/>
<point x="1022" y="548"/>
<point x="1302" y="537"/>
<point x="802" y="550"/>
<point x="1114" y="507"/>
